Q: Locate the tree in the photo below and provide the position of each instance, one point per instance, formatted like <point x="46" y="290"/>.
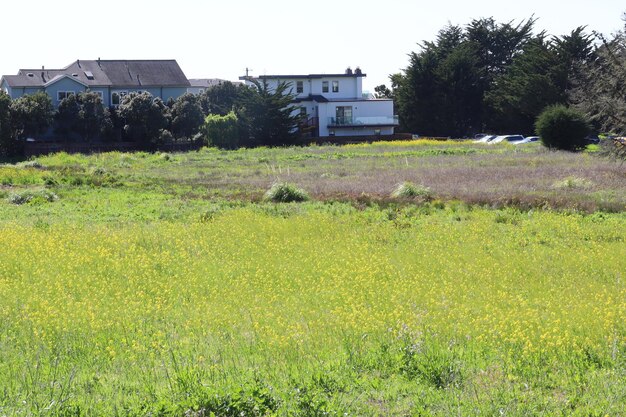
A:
<point x="222" y="131"/>
<point x="562" y="128"/>
<point x="599" y="88"/>
<point x="144" y="117"/>
<point x="382" y="91"/>
<point x="82" y="115"/>
<point x="442" y="91"/>
<point x="187" y="117"/>
<point x="221" y="98"/>
<point x="31" y="115"/>
<point x="532" y="82"/>
<point x="269" y="114"/>
<point x="93" y="117"/>
<point x="7" y="140"/>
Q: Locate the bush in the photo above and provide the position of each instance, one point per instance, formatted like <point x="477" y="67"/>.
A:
<point x="410" y="190"/>
<point x="32" y="197"/>
<point x="222" y="131"/>
<point x="563" y="128"/>
<point x="286" y="193"/>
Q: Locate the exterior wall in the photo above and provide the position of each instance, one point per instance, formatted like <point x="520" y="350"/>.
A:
<point x="349" y="87"/>
<point x="65" y="84"/>
<point x="382" y="109"/>
<point x="170" y="92"/>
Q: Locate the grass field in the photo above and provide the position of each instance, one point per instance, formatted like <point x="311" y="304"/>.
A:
<point x="161" y="285"/>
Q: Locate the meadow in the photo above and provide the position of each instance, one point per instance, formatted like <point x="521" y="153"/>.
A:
<point x="163" y="285"/>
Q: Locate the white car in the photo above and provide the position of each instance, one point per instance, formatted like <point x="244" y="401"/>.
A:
<point x="529" y="139"/>
<point x="486" y="139"/>
<point x="506" y="138"/>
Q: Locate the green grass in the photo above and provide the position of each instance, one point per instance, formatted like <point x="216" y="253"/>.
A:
<point x="165" y="286"/>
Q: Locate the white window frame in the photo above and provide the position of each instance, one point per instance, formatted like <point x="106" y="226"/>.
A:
<point x="120" y="94"/>
<point x="335" y="86"/>
<point x="299" y="87"/>
<point x="325" y="87"/>
<point x="65" y="93"/>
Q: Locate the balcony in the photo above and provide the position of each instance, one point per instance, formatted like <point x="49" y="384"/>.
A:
<point x="381" y="121"/>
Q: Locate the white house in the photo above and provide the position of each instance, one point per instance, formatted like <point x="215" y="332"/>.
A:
<point x="334" y="104"/>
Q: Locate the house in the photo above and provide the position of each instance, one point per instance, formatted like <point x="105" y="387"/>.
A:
<point x="111" y="79"/>
<point x="198" y="85"/>
<point x="334" y="104"/>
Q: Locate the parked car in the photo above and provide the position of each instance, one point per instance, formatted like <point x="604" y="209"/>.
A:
<point x="528" y="139"/>
<point x="486" y="139"/>
<point x="506" y="138"/>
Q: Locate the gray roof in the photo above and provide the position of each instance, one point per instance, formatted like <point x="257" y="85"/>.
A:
<point x="307" y="76"/>
<point x="208" y="82"/>
<point x="107" y="73"/>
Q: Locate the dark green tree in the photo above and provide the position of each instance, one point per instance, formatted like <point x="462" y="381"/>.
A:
<point x="221" y="98"/>
<point x="382" y="91"/>
<point x="67" y="117"/>
<point x="442" y="91"/>
<point x="187" y="116"/>
<point x="144" y="117"/>
<point x="8" y="143"/>
<point x="562" y="128"/>
<point x="533" y="81"/>
<point x="31" y="115"/>
<point x="269" y="114"/>
<point x="92" y="117"/>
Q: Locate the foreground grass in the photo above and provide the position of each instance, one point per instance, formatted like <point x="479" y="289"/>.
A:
<point x="316" y="310"/>
<point x="160" y="285"/>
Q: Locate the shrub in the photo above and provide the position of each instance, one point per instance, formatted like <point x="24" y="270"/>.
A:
<point x="32" y="197"/>
<point x="563" y="128"/>
<point x="222" y="131"/>
<point x="573" y="183"/>
<point x="410" y="190"/>
<point x="286" y="193"/>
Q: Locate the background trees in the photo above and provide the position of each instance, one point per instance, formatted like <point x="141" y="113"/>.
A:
<point x="31" y="115"/>
<point x="187" y="116"/>
<point x="7" y="142"/>
<point x="488" y="76"/>
<point x="267" y="114"/>
<point x="145" y="117"/>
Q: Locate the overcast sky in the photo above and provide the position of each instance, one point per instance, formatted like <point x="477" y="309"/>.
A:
<point x="219" y="39"/>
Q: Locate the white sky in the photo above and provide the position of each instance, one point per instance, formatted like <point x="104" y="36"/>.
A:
<point x="219" y="39"/>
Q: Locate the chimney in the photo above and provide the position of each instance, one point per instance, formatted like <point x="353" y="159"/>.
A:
<point x="42" y="67"/>
<point x="98" y="61"/>
<point x="78" y="62"/>
<point x="358" y="71"/>
<point x="349" y="71"/>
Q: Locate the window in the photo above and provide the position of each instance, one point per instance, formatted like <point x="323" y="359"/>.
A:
<point x="324" y="86"/>
<point x="335" y="86"/>
<point x="64" y="94"/>
<point x="99" y="93"/>
<point x="303" y="112"/>
<point x="344" y="115"/>
<point x="117" y="96"/>
<point x="300" y="87"/>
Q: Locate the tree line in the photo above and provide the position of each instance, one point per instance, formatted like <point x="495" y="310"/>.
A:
<point x="499" y="77"/>
<point x="225" y="115"/>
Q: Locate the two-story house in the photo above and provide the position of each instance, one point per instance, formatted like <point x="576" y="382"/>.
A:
<point x="111" y="79"/>
<point x="334" y="104"/>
